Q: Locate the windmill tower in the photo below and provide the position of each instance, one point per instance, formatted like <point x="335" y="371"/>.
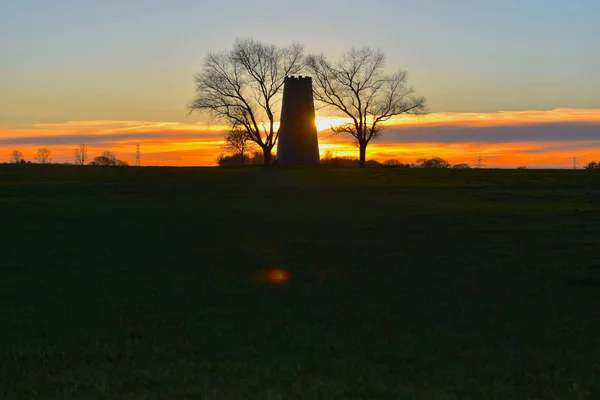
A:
<point x="137" y="155"/>
<point x="298" y="143"/>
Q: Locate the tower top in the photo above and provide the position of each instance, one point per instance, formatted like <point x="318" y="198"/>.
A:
<point x="298" y="78"/>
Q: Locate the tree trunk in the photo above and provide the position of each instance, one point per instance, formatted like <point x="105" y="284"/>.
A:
<point x="267" y="155"/>
<point x="363" y="155"/>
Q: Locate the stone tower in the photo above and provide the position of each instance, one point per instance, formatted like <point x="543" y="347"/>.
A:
<point x="298" y="143"/>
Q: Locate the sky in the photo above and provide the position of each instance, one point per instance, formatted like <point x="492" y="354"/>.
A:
<point x="114" y="73"/>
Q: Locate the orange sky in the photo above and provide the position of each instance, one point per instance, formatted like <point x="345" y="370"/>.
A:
<point x="504" y="139"/>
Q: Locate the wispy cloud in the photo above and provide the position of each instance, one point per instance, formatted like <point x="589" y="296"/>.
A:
<point x="109" y="138"/>
<point x="540" y="132"/>
<point x="501" y="118"/>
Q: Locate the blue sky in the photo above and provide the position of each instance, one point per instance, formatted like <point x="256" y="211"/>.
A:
<point x="134" y="59"/>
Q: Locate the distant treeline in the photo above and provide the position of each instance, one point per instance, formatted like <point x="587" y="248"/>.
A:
<point x="592" y="165"/>
<point x="256" y="158"/>
<point x="44" y="156"/>
<point x="328" y="158"/>
<point x="109" y="159"/>
<point x="230" y="160"/>
<point x="434" y="162"/>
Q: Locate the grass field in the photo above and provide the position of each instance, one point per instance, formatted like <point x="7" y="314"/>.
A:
<point x="138" y="283"/>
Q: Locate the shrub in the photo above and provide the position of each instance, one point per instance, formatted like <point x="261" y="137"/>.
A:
<point x="393" y="163"/>
<point x="435" y="162"/>
<point x="461" y="166"/>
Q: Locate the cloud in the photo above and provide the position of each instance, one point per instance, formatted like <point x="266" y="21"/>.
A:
<point x="500" y="118"/>
<point x="97" y="139"/>
<point x="547" y="132"/>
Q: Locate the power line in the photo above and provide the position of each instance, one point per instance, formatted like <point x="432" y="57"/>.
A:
<point x="570" y="162"/>
<point x="480" y="162"/>
<point x="137" y="155"/>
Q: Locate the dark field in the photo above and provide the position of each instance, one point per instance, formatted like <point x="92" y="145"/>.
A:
<point x="138" y="283"/>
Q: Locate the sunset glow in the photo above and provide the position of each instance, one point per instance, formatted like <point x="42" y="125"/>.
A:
<point x="325" y="123"/>
<point x="458" y="137"/>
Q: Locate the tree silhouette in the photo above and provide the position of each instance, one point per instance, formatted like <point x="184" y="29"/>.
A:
<point x="81" y="154"/>
<point x="241" y="86"/>
<point x="327" y="157"/>
<point x="224" y="160"/>
<point x="435" y="162"/>
<point x="238" y="142"/>
<point x="393" y="163"/>
<point x="108" y="159"/>
<point x="357" y="86"/>
<point x="43" y="155"/>
<point x="16" y="156"/>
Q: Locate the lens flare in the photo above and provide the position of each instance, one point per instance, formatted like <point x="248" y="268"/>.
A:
<point x="274" y="276"/>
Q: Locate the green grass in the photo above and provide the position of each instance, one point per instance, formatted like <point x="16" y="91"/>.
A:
<point x="137" y="283"/>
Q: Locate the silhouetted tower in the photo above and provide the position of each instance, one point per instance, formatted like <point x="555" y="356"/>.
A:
<point x="137" y="155"/>
<point x="574" y="162"/>
<point x="298" y="141"/>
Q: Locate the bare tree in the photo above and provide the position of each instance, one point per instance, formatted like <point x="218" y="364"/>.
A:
<point x="43" y="155"/>
<point x="238" y="142"/>
<point x="461" y="166"/>
<point x="81" y="154"/>
<point x="109" y="155"/>
<point x="327" y="157"/>
<point x="108" y="159"/>
<point x="242" y="87"/>
<point x="357" y="86"/>
<point x="435" y="162"/>
<point x="16" y="156"/>
<point x="392" y="163"/>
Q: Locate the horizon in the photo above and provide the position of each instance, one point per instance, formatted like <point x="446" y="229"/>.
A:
<point x="504" y="140"/>
<point x="515" y="83"/>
